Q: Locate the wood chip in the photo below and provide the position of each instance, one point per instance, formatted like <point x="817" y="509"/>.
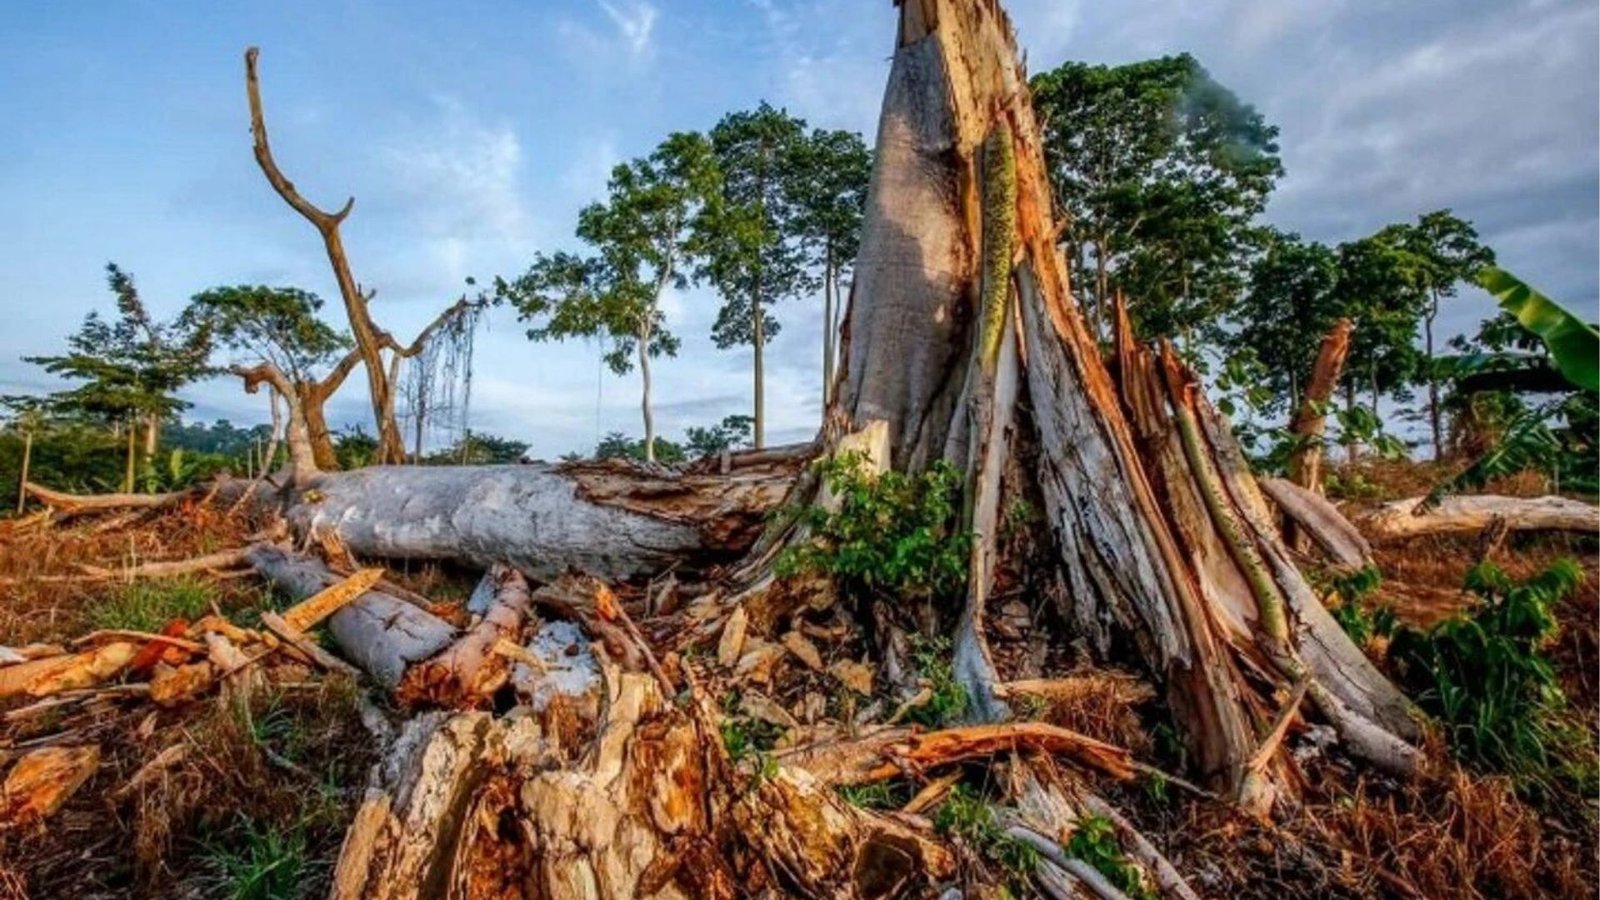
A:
<point x="42" y="781"/>
<point x="855" y="676"/>
<point x="52" y="675"/>
<point x="801" y="646"/>
<point x="170" y="686"/>
<point x="731" y="647"/>
<point x="305" y="615"/>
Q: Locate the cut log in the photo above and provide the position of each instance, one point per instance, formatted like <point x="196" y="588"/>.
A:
<point x="1472" y="514"/>
<point x="379" y="633"/>
<point x="1316" y="518"/>
<point x="612" y="521"/>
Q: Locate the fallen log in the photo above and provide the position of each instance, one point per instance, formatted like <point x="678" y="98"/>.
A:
<point x="1412" y="517"/>
<point x="381" y="634"/>
<point x="64" y="502"/>
<point x="611" y="520"/>
<point x="1321" y="521"/>
<point x="52" y="675"/>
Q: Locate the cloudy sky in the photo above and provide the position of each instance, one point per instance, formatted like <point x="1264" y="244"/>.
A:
<point x="470" y="134"/>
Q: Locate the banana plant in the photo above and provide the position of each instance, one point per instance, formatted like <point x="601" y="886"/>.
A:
<point x="1573" y="343"/>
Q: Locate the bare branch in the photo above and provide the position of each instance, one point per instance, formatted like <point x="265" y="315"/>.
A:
<point x="324" y="221"/>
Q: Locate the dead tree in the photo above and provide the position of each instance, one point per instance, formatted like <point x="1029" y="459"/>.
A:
<point x="1310" y="420"/>
<point x="376" y="349"/>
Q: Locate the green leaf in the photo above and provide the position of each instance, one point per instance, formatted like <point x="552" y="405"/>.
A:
<point x="1573" y="343"/>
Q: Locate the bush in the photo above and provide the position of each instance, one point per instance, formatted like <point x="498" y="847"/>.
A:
<point x="894" y="535"/>
<point x="1486" y="678"/>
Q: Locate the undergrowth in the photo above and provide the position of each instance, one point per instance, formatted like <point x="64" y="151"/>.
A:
<point x="150" y="605"/>
<point x="969" y="817"/>
<point x="894" y="535"/>
<point x="1486" y="677"/>
<point x="1095" y="842"/>
<point x="947" y="701"/>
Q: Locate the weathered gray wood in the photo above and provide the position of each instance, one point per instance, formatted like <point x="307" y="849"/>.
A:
<point x="1321" y="521"/>
<point x="543" y="520"/>
<point x="1471" y="514"/>
<point x="379" y="633"/>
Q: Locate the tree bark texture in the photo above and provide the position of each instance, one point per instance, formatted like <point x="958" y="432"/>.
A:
<point x="1310" y="420"/>
<point x="1162" y="533"/>
<point x="611" y="520"/>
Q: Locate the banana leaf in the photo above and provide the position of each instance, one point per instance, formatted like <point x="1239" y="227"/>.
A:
<point x="1574" y="344"/>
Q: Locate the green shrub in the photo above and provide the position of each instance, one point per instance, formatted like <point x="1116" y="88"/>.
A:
<point x="948" y="701"/>
<point x="1095" y="842"/>
<point x="969" y="817"/>
<point x="150" y="605"/>
<point x="1359" y="623"/>
<point x="894" y="535"/>
<point x="1485" y="676"/>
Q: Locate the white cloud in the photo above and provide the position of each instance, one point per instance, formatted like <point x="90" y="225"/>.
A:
<point x="636" y="23"/>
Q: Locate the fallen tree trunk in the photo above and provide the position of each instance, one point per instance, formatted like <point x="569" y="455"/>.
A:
<point x="614" y="521"/>
<point x="1413" y="517"/>
<point x="84" y="503"/>
<point x="1319" y="520"/>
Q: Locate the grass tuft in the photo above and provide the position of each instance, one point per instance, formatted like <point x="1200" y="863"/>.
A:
<point x="150" y="605"/>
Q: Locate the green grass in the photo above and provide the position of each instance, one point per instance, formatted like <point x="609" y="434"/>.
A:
<point x="150" y="605"/>
<point x="877" y="795"/>
<point x="931" y="657"/>
<point x="253" y="862"/>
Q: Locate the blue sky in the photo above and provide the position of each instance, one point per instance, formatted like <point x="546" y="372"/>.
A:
<point x="470" y="134"/>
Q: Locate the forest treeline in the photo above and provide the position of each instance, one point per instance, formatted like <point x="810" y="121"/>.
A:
<point x="1161" y="176"/>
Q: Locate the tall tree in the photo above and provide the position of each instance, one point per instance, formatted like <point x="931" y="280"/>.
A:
<point x="1291" y="302"/>
<point x="828" y="187"/>
<point x="279" y="340"/>
<point x="641" y="236"/>
<point x="1435" y="256"/>
<point x="748" y="237"/>
<point x="1158" y="170"/>
<point x="131" y="369"/>
<point x="381" y="354"/>
<point x="1375" y="291"/>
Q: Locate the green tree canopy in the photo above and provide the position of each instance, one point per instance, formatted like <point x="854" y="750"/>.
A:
<point x="1291" y="302"/>
<point x="131" y="368"/>
<point x="750" y="251"/>
<point x="641" y="240"/>
<point x="1159" y="171"/>
<point x="276" y="325"/>
<point x="829" y="172"/>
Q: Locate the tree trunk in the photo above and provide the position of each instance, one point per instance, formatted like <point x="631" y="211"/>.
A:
<point x="1310" y="420"/>
<point x="1434" y="421"/>
<point x="759" y="330"/>
<point x="829" y="289"/>
<point x="152" y="435"/>
<point x="127" y="469"/>
<point x="318" y="437"/>
<point x="22" y="479"/>
<point x="607" y="519"/>
<point x="1161" y="532"/>
<point x="644" y="400"/>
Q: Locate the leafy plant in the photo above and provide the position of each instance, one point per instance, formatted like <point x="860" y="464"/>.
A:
<point x="948" y="701"/>
<point x="893" y="535"/>
<point x="877" y="795"/>
<point x="1095" y="842"/>
<point x="1486" y="678"/>
<point x="969" y="817"/>
<point x="1574" y="344"/>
